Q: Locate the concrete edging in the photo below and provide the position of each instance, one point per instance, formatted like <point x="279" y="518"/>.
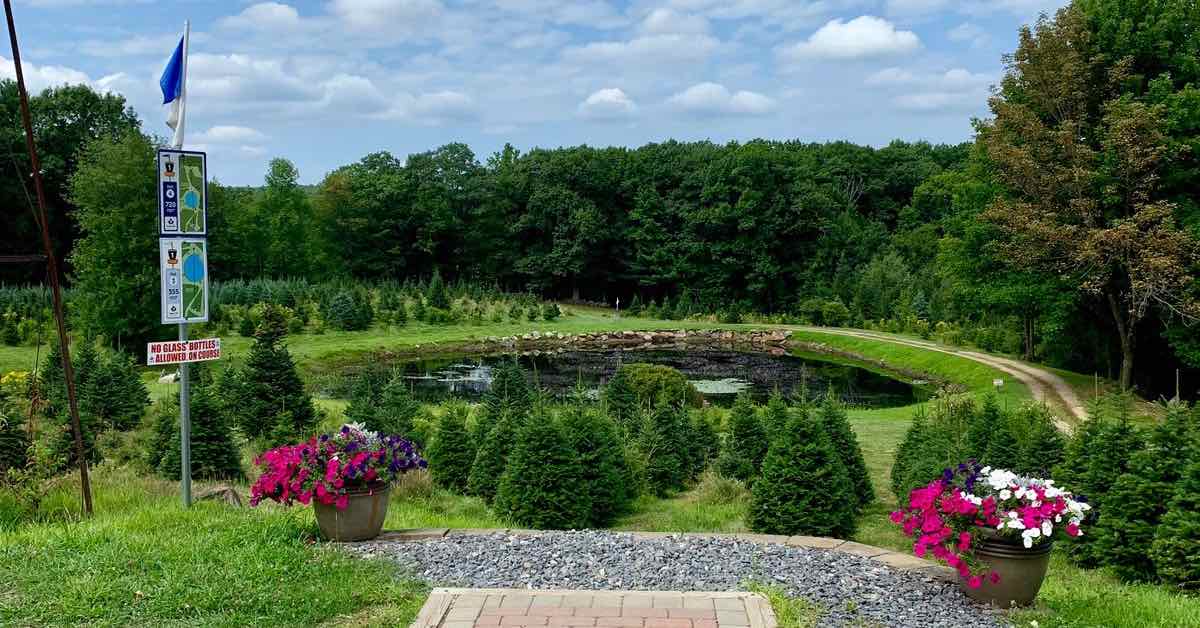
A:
<point x="895" y="560"/>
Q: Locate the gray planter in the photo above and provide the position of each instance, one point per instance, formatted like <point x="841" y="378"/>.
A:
<point x="361" y="520"/>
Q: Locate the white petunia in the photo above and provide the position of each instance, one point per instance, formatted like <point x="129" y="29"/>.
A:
<point x="1047" y="528"/>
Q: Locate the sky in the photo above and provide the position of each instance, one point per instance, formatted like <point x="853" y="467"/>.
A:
<point x="324" y="83"/>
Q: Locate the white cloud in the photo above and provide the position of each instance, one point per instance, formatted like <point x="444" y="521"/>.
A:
<point x="229" y="134"/>
<point x="138" y="45"/>
<point x="954" y="89"/>
<point x="386" y="15"/>
<point x="891" y="76"/>
<point x="541" y="39"/>
<point x="713" y="98"/>
<point x="429" y="109"/>
<point x="650" y="49"/>
<point x="663" y="20"/>
<point x="936" y="101"/>
<point x="265" y="16"/>
<point x="863" y="37"/>
<point x="607" y="104"/>
<point x="953" y="79"/>
<point x="40" y="77"/>
<point x="968" y="32"/>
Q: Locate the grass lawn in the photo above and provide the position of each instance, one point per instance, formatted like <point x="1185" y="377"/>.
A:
<point x="143" y="560"/>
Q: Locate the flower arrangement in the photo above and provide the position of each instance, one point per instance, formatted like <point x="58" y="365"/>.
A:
<point x="951" y="514"/>
<point x="326" y="468"/>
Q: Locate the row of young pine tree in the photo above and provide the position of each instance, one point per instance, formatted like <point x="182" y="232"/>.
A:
<point x="1142" y="482"/>
<point x="581" y="463"/>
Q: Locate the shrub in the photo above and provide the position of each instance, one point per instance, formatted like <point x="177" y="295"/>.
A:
<point x="832" y="416"/>
<point x="349" y="310"/>
<point x="983" y="423"/>
<point x="662" y="439"/>
<point x="509" y="391"/>
<point x="365" y="397"/>
<point x="451" y="452"/>
<point x="593" y="438"/>
<point x="775" y="415"/>
<point x="701" y="442"/>
<point x="419" y="311"/>
<point x="436" y="294"/>
<point x="121" y="397"/>
<point x="653" y="384"/>
<point x="804" y="488"/>
<point x="540" y="487"/>
<point x="246" y="327"/>
<point x="14" y="443"/>
<point x="745" y="444"/>
<point x="492" y="457"/>
<point x="269" y="397"/>
<point x="1176" y="548"/>
<point x="1122" y="533"/>
<point x="621" y="401"/>
<point x="213" y="453"/>
<point x="550" y="312"/>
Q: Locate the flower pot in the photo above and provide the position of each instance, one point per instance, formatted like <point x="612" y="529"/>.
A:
<point x="1021" y="570"/>
<point x="361" y="520"/>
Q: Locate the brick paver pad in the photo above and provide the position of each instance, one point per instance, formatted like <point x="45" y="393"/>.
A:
<point x="498" y="608"/>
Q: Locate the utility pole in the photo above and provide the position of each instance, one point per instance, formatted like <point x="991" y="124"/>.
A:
<point x="51" y="264"/>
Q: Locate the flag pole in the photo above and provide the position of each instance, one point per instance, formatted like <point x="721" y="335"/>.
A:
<point x="185" y="393"/>
<point x="64" y="340"/>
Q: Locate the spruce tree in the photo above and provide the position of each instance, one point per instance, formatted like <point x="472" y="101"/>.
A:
<point x="836" y="423"/>
<point x="121" y="398"/>
<point x="621" y="402"/>
<point x="214" y="455"/>
<point x="1114" y="443"/>
<point x="365" y="398"/>
<point x="775" y="415"/>
<point x="1176" y="547"/>
<point x="804" y="488"/>
<point x="88" y="395"/>
<point x="703" y="444"/>
<point x="984" y="422"/>
<point x="492" y="457"/>
<point x="397" y="408"/>
<point x="746" y="443"/>
<point x="1042" y="446"/>
<point x="541" y="486"/>
<point x="1004" y="447"/>
<point x="1122" y="534"/>
<point x="662" y="442"/>
<point x="14" y="443"/>
<point x="509" y="391"/>
<point x="451" y="452"/>
<point x="437" y="294"/>
<point x="273" y="400"/>
<point x="165" y="423"/>
<point x="594" y="439"/>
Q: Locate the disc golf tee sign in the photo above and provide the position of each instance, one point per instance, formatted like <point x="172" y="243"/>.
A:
<point x="184" y="269"/>
<point x="182" y="193"/>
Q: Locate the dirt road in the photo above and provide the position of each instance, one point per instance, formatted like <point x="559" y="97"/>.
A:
<point x="1045" y="385"/>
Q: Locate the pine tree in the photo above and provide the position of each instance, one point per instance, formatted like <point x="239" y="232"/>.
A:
<point x="984" y="422"/>
<point x="397" y="408"/>
<point x="1043" y="445"/>
<point x="123" y="397"/>
<point x="621" y="402"/>
<point x="1004" y="448"/>
<point x="540" y="487"/>
<point x="401" y="315"/>
<point x="1122" y="535"/>
<point x="663" y="444"/>
<point x="85" y="363"/>
<point x="804" y="488"/>
<point x="451" y="453"/>
<point x="364" y="403"/>
<point x="836" y="423"/>
<point x="703" y="444"/>
<point x="437" y="295"/>
<point x="165" y="423"/>
<point x="509" y="391"/>
<point x="593" y="437"/>
<point x="775" y="415"/>
<point x="745" y="444"/>
<point x="492" y="457"/>
<point x="273" y="400"/>
<point x="419" y="311"/>
<point x="14" y="443"/>
<point x="1176" y="547"/>
<point x="213" y="453"/>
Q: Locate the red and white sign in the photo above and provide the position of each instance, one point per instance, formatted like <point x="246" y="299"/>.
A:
<point x="176" y="351"/>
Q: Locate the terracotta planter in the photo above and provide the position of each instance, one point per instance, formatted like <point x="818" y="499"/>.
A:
<point x="361" y="520"/>
<point x="1021" y="570"/>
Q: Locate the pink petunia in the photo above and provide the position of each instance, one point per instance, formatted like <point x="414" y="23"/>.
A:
<point x="342" y="502"/>
<point x="975" y="582"/>
<point x="964" y="541"/>
<point x="897" y="516"/>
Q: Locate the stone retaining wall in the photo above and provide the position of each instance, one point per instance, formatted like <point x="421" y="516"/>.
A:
<point x="896" y="560"/>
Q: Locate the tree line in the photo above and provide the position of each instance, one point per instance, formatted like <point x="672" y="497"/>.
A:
<point x="1071" y="221"/>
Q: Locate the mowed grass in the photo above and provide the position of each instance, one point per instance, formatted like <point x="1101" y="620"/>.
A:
<point x="144" y="560"/>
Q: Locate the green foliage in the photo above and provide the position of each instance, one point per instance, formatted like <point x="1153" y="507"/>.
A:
<point x="508" y="393"/>
<point x="662" y="440"/>
<point x="493" y="456"/>
<point x="1125" y="531"/>
<point x="621" y="402"/>
<point x="653" y="384"/>
<point x="214" y="455"/>
<point x="349" y="310"/>
<point x="451" y="452"/>
<point x="776" y="415"/>
<point x="550" y="312"/>
<point x="745" y="444"/>
<point x="598" y="448"/>
<point x="984" y="423"/>
<point x="804" y="488"/>
<point x="268" y="398"/>
<point x="14" y="443"/>
<point x="436" y="294"/>
<point x="1176" y="548"/>
<point x="936" y="440"/>
<point x="540" y="486"/>
<point x="836" y="423"/>
<point x="397" y="409"/>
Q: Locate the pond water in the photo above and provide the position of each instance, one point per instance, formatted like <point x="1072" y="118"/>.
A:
<point x="718" y="374"/>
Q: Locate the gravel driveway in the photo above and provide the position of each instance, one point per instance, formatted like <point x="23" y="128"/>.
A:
<point x="855" y="591"/>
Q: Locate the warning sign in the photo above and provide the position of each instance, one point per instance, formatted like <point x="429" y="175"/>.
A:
<point x="176" y="351"/>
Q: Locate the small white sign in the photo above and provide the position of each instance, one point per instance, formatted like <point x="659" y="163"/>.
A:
<point x="997" y="382"/>
<point x="177" y="351"/>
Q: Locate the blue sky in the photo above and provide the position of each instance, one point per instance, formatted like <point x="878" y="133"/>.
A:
<point x="325" y="82"/>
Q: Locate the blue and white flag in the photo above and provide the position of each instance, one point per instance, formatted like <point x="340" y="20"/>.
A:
<point x="173" y="79"/>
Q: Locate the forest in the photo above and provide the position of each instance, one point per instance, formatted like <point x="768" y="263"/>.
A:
<point x="1068" y="228"/>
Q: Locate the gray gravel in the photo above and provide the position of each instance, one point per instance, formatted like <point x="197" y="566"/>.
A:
<point x="853" y="590"/>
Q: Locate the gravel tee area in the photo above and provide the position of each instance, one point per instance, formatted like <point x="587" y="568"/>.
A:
<point x="853" y="590"/>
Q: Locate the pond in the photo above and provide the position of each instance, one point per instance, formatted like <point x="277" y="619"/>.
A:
<point x="718" y="374"/>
